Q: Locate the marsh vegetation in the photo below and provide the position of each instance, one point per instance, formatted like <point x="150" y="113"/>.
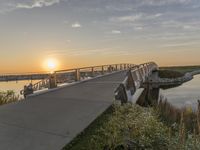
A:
<point x="131" y="127"/>
<point x="8" y="97"/>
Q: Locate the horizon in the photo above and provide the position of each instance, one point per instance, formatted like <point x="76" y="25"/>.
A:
<point x="79" y="33"/>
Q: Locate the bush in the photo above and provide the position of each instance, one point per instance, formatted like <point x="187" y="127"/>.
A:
<point x="131" y="127"/>
<point x="128" y="126"/>
<point x="8" y="97"/>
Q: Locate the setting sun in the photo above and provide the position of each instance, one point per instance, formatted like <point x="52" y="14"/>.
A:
<point x="51" y="64"/>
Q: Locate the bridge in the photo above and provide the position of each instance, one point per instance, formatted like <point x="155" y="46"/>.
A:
<point x="50" y="120"/>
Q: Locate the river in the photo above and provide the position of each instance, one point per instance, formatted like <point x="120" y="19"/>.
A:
<point x="186" y="94"/>
<point x="16" y="86"/>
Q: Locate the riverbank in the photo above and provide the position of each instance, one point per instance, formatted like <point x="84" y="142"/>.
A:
<point x="172" y="77"/>
<point x="133" y="127"/>
<point x="181" y="69"/>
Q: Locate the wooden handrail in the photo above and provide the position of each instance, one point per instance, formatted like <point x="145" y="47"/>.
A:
<point x="77" y="74"/>
<point x="129" y="83"/>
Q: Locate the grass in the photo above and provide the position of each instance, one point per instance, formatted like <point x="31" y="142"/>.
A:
<point x="131" y="127"/>
<point x="181" y="69"/>
<point x="169" y="74"/>
<point x="82" y="141"/>
<point x="122" y="127"/>
<point x="186" y="115"/>
<point x="8" y="97"/>
<point x="184" y="122"/>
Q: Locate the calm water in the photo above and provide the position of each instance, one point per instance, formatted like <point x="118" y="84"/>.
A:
<point x="15" y="86"/>
<point x="186" y="94"/>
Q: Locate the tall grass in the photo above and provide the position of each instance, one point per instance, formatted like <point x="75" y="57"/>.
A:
<point x="174" y="115"/>
<point x="184" y="122"/>
<point x="131" y="127"/>
<point x="8" y="97"/>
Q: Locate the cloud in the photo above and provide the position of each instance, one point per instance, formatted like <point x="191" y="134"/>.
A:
<point x="181" y="44"/>
<point x="135" y="17"/>
<point x="157" y="15"/>
<point x="116" y="32"/>
<point x="76" y="25"/>
<point x="163" y="2"/>
<point x="129" y="18"/>
<point x="190" y="25"/>
<point x="138" y="28"/>
<point x="8" y="6"/>
<point x="37" y="3"/>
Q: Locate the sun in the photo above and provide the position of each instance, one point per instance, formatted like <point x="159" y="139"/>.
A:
<point x="51" y="64"/>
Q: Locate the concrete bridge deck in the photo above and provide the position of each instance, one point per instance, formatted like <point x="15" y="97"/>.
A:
<point x="51" y="120"/>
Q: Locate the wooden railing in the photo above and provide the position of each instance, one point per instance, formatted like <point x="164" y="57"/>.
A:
<point x="38" y="86"/>
<point x="134" y="79"/>
<point x="77" y="74"/>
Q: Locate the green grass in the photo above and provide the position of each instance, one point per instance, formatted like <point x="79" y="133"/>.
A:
<point x="82" y="141"/>
<point x="181" y="69"/>
<point x="122" y="127"/>
<point x="134" y="127"/>
<point x="170" y="74"/>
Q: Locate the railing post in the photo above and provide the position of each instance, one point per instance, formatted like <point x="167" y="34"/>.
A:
<point x="77" y="75"/>
<point x="109" y="68"/>
<point x="140" y="74"/>
<point x="102" y="70"/>
<point x="121" y="68"/>
<point x="131" y="83"/>
<point x="124" y="66"/>
<point x="116" y="68"/>
<point x="52" y="81"/>
<point x="92" y="72"/>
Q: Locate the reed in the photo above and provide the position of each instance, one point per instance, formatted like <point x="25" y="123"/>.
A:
<point x="186" y="115"/>
<point x="8" y="97"/>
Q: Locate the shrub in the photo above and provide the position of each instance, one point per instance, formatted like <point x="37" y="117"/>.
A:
<point x="131" y="126"/>
<point x="8" y="97"/>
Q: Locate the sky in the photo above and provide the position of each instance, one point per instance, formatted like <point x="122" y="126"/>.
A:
<point x="80" y="33"/>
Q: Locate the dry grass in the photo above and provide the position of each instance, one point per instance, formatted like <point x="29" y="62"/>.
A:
<point x="184" y="125"/>
<point x="8" y="97"/>
<point x="186" y="115"/>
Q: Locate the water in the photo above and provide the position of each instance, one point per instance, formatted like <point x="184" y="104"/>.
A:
<point x="15" y="86"/>
<point x="186" y="94"/>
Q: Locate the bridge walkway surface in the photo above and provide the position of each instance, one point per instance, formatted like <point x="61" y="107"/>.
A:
<point x="51" y="120"/>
